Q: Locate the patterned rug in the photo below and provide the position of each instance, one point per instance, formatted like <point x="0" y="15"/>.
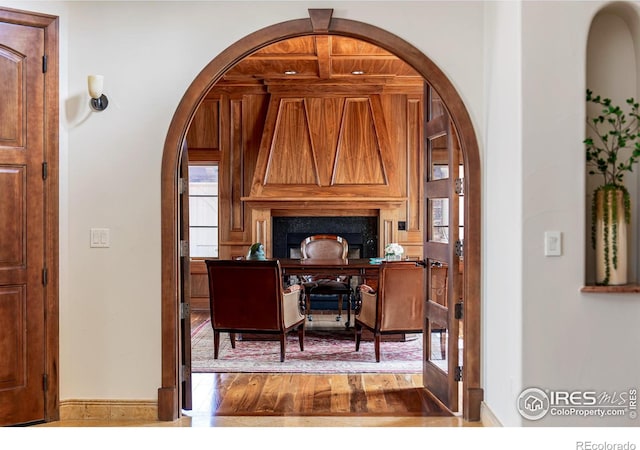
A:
<point x="330" y="351"/>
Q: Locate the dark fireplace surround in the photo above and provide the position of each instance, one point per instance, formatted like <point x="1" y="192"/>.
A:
<point x="361" y="233"/>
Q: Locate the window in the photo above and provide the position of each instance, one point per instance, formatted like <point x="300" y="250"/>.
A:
<point x="203" y="211"/>
<point x="440" y="207"/>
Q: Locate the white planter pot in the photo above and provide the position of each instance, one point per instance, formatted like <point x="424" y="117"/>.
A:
<point x="605" y="253"/>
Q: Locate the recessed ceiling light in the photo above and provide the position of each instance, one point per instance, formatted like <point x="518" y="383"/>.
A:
<point x="290" y="72"/>
<point x="357" y="72"/>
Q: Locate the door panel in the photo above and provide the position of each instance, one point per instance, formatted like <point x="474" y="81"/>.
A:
<point x="11" y="108"/>
<point x="441" y="246"/>
<point x="13" y="248"/>
<point x="22" y="258"/>
<point x="12" y="344"/>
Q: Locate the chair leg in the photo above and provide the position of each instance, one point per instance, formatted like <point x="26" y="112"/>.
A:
<point x="232" y="337"/>
<point x="283" y="338"/>
<point x="308" y="305"/>
<point x="339" y="317"/>
<point x="216" y="343"/>
<point x="358" y="328"/>
<point x="443" y="343"/>
<point x="377" y="345"/>
<point x="301" y="336"/>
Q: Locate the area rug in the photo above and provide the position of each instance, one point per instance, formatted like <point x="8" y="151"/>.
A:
<point x="324" y="352"/>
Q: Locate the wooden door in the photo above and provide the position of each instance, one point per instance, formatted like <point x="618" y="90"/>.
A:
<point x="22" y="225"/>
<point x="185" y="280"/>
<point x="443" y="252"/>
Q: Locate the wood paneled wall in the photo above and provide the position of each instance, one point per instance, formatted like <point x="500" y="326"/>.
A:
<point x="328" y="149"/>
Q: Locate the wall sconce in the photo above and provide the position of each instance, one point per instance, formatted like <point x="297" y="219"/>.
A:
<point x="99" y="101"/>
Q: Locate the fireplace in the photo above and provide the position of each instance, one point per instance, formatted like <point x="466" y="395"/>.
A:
<point x="361" y="232"/>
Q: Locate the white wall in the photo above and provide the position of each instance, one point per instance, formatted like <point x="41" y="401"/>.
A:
<point x="110" y="344"/>
<point x="571" y="340"/>
<point x="110" y="177"/>
<point x="502" y="213"/>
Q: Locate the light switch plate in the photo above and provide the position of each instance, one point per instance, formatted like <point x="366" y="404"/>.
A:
<point x="552" y="243"/>
<point x="100" y="238"/>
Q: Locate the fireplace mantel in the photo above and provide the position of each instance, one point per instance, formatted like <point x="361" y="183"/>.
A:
<point x="262" y="211"/>
<point x="320" y="203"/>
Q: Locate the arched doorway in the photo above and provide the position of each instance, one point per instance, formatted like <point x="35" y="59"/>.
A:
<point x="320" y="22"/>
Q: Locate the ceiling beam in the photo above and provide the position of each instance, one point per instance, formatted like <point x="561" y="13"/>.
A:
<point x="323" y="50"/>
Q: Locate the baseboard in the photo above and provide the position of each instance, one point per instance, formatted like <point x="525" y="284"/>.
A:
<point x="487" y="417"/>
<point x="108" y="410"/>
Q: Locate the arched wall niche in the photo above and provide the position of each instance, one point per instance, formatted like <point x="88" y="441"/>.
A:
<point x="320" y="22"/>
<point x="612" y="68"/>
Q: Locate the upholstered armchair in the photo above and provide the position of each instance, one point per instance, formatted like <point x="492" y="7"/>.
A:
<point x="326" y="247"/>
<point x="247" y="296"/>
<point x="395" y="307"/>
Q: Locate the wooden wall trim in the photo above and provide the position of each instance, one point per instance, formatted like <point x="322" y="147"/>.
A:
<point x="185" y="111"/>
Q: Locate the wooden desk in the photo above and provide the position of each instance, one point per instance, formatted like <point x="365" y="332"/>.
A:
<point x="331" y="268"/>
<point x="334" y="267"/>
<point x="337" y="267"/>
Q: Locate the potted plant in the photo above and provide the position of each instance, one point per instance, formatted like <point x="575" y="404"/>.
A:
<point x="612" y="150"/>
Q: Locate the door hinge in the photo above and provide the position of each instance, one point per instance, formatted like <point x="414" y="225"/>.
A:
<point x="45" y="382"/>
<point x="184" y="375"/>
<point x="45" y="61"/>
<point x="185" y="311"/>
<point x="181" y="186"/>
<point x="184" y="248"/>
<point x="458" y="374"/>
<point x="45" y="170"/>
<point x="460" y="186"/>
<point x="458" y="311"/>
<point x="45" y="276"/>
<point x="459" y="248"/>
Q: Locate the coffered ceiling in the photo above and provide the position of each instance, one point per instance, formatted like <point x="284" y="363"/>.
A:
<point x="323" y="58"/>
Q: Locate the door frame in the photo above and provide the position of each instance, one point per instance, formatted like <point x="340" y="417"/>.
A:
<point x="49" y="25"/>
<point x="320" y="22"/>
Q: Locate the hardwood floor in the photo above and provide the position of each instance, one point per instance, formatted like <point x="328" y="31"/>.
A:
<point x="302" y="400"/>
<point x="287" y="394"/>
<point x="309" y="396"/>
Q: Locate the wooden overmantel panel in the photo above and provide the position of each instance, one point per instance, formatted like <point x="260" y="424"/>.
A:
<point x="290" y="158"/>
<point x="326" y="145"/>
<point x="359" y="159"/>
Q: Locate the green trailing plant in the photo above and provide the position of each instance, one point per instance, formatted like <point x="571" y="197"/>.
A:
<point x="256" y="251"/>
<point x="611" y="152"/>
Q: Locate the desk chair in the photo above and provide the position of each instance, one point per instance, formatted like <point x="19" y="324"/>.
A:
<point x="326" y="246"/>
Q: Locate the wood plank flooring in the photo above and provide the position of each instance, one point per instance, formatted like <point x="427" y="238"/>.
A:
<point x="287" y="394"/>
<point x="241" y="394"/>
<point x="301" y="400"/>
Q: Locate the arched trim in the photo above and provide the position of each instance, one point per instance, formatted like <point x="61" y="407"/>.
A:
<point x="168" y="394"/>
